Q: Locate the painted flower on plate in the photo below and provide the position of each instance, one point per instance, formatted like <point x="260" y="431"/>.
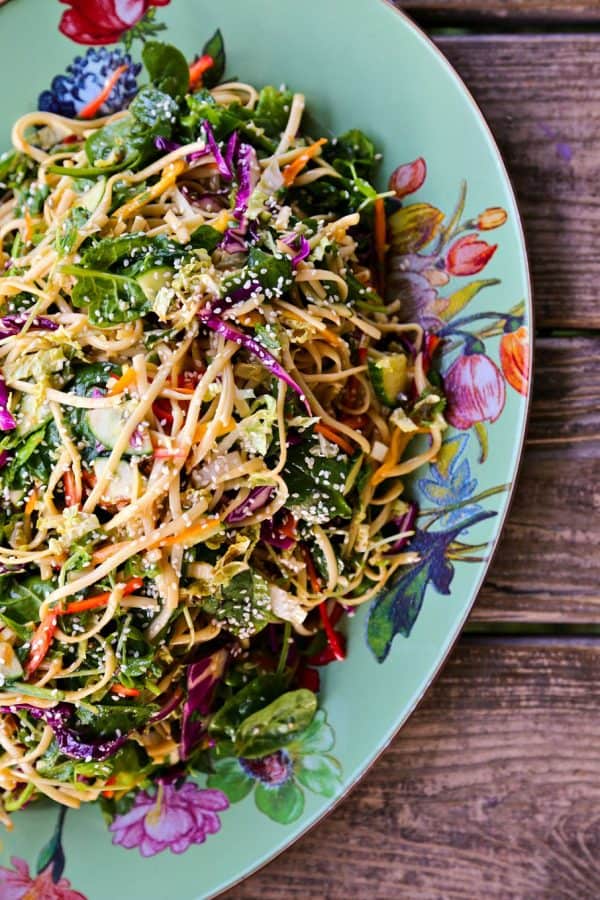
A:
<point x="514" y="357"/>
<point x="103" y="21"/>
<point x="18" y="884"/>
<point x="85" y="78"/>
<point x="475" y="391"/>
<point x="278" y="779"/>
<point x="171" y="818"/>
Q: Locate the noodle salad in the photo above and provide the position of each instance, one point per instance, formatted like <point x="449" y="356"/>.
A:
<point x="208" y="401"/>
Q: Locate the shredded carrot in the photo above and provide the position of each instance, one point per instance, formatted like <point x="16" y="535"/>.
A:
<point x="198" y="68"/>
<point x="31" y="501"/>
<point x="291" y="172"/>
<point x="91" y="109"/>
<point x="103" y="553"/>
<point x="380" y="239"/>
<point x="100" y="600"/>
<point x="72" y="493"/>
<point x="169" y="176"/>
<point x="398" y="444"/>
<point x="222" y="430"/>
<point x="315" y="582"/>
<point x="41" y="641"/>
<point x="329" y="336"/>
<point x="251" y="318"/>
<point x="123" y="691"/>
<point x="332" y="637"/>
<point x="126" y="380"/>
<point x="336" y="438"/>
<point x="288" y="526"/>
<point x="221" y="222"/>
<point x="169" y="453"/>
<point x="193" y="534"/>
<point x="28" y="226"/>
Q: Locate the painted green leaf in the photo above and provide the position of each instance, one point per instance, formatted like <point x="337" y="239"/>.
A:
<point x="413" y="227"/>
<point x="319" y="774"/>
<point x="317" y="738"/>
<point x="52" y="854"/>
<point x="283" y="804"/>
<point x="230" y="778"/>
<point x="463" y="296"/>
<point x="397" y="607"/>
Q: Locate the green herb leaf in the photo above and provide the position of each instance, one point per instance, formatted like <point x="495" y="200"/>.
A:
<point x="67" y="234"/>
<point x="214" y="47"/>
<point x="109" y="298"/>
<point x="275" y="726"/>
<point x="167" y="67"/>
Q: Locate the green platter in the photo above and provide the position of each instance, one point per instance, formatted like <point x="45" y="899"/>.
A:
<point x="360" y="64"/>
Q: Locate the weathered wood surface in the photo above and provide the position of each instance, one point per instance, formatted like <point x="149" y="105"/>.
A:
<point x="514" y="12"/>
<point x="547" y="566"/>
<point x="541" y="97"/>
<point x="491" y="790"/>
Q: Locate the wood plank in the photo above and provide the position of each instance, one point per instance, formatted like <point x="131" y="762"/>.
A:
<point x="541" y="96"/>
<point x="547" y="567"/>
<point x="491" y="790"/>
<point x="502" y="11"/>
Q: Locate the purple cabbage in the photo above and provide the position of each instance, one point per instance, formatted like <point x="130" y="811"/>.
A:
<point x="165" y="145"/>
<point x="271" y="536"/>
<point x="234" y="241"/>
<point x="232" y="149"/>
<point x="4" y="458"/>
<point x="12" y="324"/>
<point x="303" y="249"/>
<point x="169" y="706"/>
<point x="202" y="679"/>
<point x="7" y="422"/>
<point x="209" y="202"/>
<point x="222" y="166"/>
<point x="212" y="321"/>
<point x="69" y="741"/>
<point x="402" y="524"/>
<point x="256" y="499"/>
<point x="198" y="154"/>
<point x="247" y="172"/>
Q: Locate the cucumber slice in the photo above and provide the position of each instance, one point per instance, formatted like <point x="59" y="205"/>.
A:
<point x="10" y="667"/>
<point x="107" y="426"/>
<point x="91" y="199"/>
<point x="124" y="484"/>
<point x="389" y="376"/>
<point x="153" y="280"/>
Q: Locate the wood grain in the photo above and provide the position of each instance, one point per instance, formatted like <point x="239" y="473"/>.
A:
<point x="502" y="11"/>
<point x="541" y="96"/>
<point x="491" y="790"/>
<point x="547" y="566"/>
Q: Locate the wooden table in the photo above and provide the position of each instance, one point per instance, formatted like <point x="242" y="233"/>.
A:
<point x="492" y="789"/>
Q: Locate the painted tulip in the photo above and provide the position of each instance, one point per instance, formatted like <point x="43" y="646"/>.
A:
<point x="475" y="391"/>
<point x="468" y="255"/>
<point x="408" y="178"/>
<point x="514" y="357"/>
<point x="491" y="218"/>
<point x="103" y="21"/>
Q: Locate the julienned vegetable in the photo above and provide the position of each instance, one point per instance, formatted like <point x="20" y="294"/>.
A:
<point x="201" y="430"/>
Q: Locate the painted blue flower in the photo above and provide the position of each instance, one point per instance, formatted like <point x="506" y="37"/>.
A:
<point x="85" y="78"/>
<point x="449" y="482"/>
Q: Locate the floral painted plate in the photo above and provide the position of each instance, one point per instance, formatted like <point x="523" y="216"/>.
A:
<point x="460" y="268"/>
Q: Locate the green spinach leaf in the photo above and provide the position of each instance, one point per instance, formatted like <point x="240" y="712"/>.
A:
<point x="167" y="67"/>
<point x="276" y="725"/>
<point x="214" y="47"/>
<point x="254" y="696"/>
<point x="109" y="298"/>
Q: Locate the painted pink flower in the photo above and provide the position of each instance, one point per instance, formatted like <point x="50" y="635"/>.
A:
<point x="103" y="21"/>
<point x="468" y="255"/>
<point x="408" y="178"/>
<point x="18" y="884"/>
<point x="475" y="391"/>
<point x="172" y="818"/>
